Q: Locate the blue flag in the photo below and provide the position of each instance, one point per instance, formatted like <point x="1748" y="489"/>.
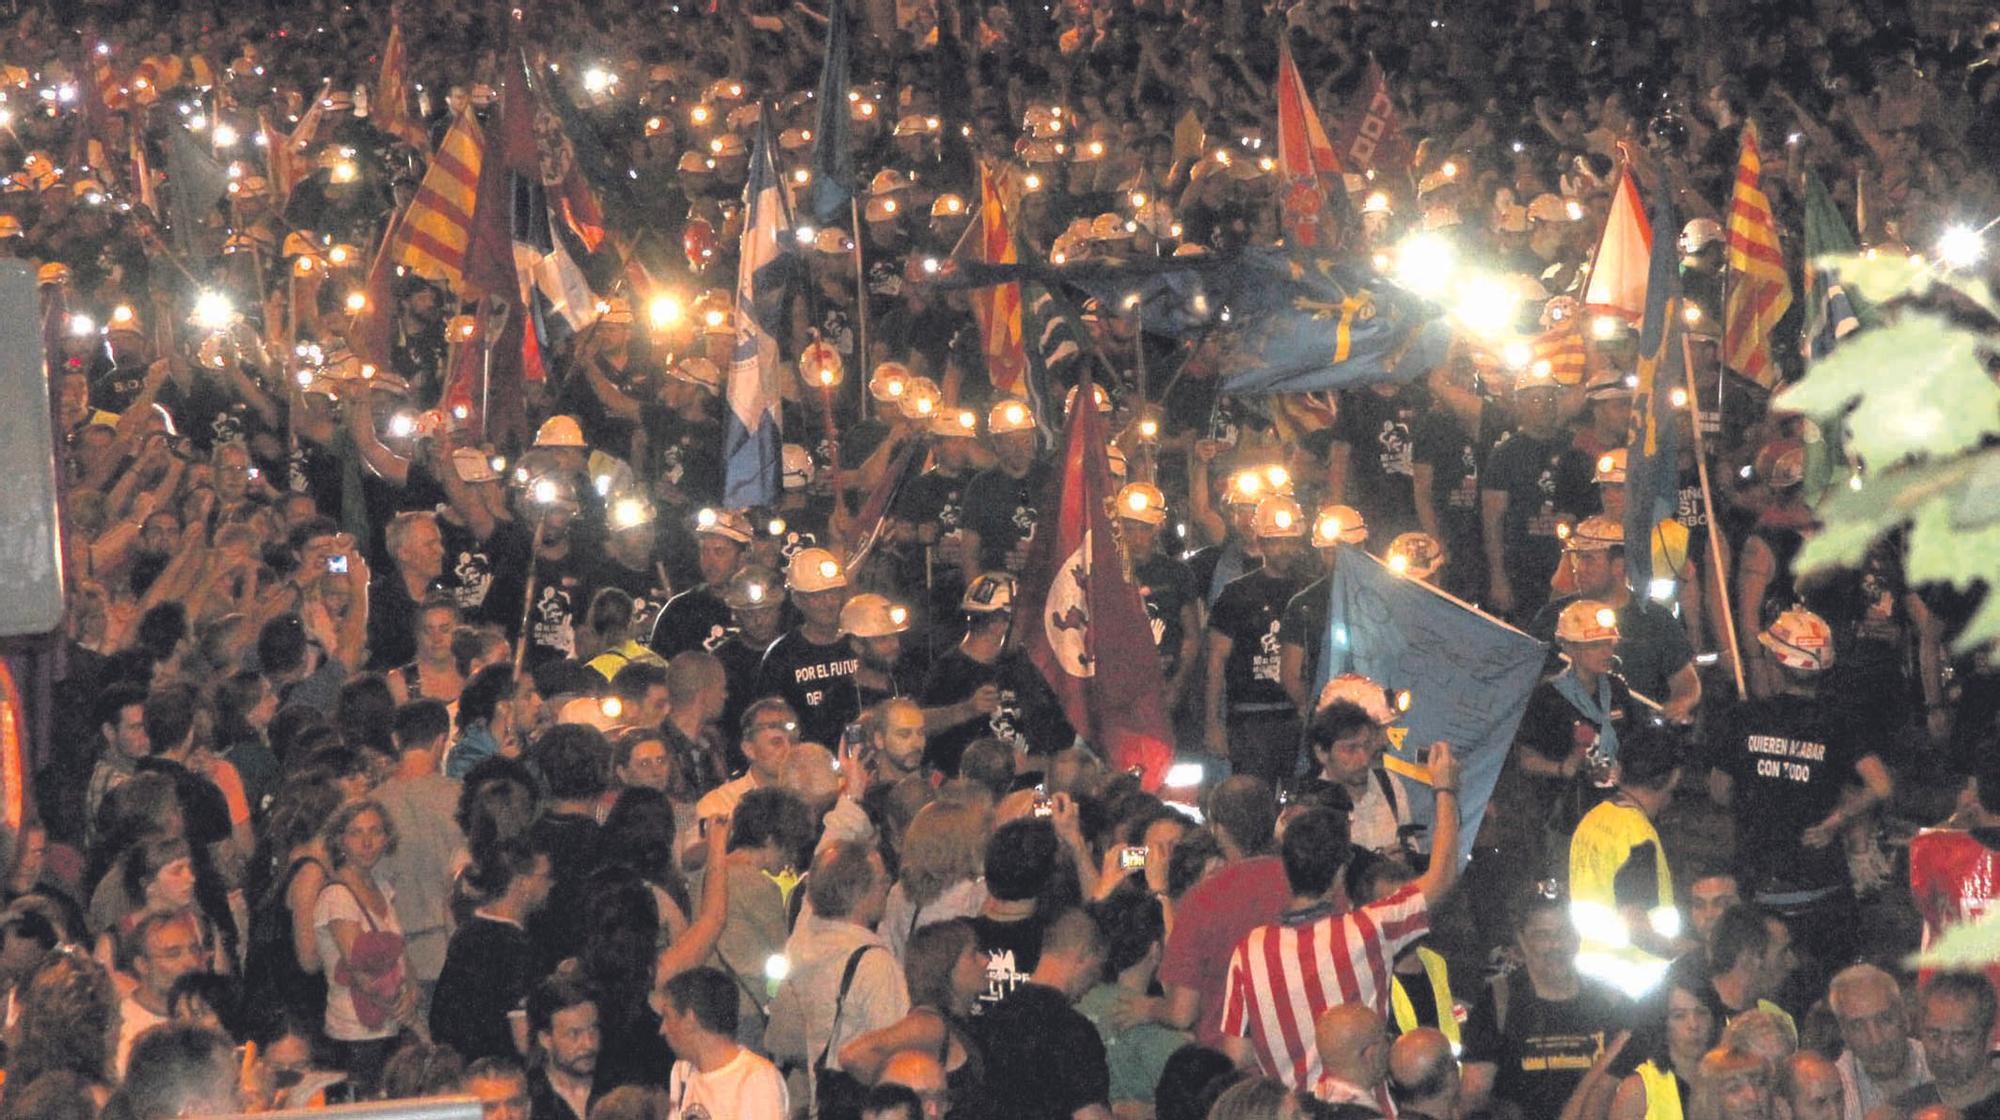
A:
<point x="1468" y="675"/>
<point x="832" y="154"/>
<point x="195" y="183"/>
<point x="1652" y="470"/>
<point x="751" y="439"/>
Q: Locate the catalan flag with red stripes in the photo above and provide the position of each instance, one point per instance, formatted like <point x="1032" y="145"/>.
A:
<point x="392" y="95"/>
<point x="998" y="308"/>
<point x="1561" y="346"/>
<point x="1760" y="290"/>
<point x="435" y="232"/>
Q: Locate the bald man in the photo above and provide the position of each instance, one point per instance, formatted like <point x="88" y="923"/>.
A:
<point x="920" y="1073"/>
<point x="1353" y="1044"/>
<point x="1424" y="1079"/>
<point x="1809" y="1088"/>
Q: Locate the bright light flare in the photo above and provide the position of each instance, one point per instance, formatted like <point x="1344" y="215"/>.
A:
<point x="1961" y="247"/>
<point x="1424" y="264"/>
<point x="213" y="311"/>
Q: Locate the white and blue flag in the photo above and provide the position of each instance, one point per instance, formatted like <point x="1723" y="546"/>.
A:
<point x="751" y="438"/>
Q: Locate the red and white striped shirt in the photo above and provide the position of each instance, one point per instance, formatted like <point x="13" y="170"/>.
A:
<point x="1283" y="976"/>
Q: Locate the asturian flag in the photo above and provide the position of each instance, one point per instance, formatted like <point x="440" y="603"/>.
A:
<point x="750" y="436"/>
<point x="1468" y="675"/>
<point x="1652" y="472"/>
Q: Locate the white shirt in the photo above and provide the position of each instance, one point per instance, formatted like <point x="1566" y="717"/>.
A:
<point x="1862" y="1095"/>
<point x="133" y="1021"/>
<point x="747" y="1087"/>
<point x="723" y="799"/>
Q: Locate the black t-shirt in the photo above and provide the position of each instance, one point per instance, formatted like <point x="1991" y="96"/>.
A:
<point x="935" y="499"/>
<point x="694" y="619"/>
<point x="486" y="974"/>
<point x="1028" y="719"/>
<point x="392" y="620"/>
<point x="1003" y="509"/>
<point x="1789" y="760"/>
<point x="1524" y="468"/>
<point x="558" y="607"/>
<point x="1044" y="1060"/>
<point x="1545" y="1046"/>
<point x="1553" y="727"/>
<point x="1214" y="566"/>
<point x="1453" y="457"/>
<point x="643" y="584"/>
<point x="1166" y="585"/>
<point x="1012" y="950"/>
<point x="1248" y="613"/>
<point x="816" y="680"/>
<point x="1304" y="622"/>
<point x="740" y="662"/>
<point x="1378" y="431"/>
<point x="685" y="453"/>
<point x="575" y="853"/>
<point x="470" y="565"/>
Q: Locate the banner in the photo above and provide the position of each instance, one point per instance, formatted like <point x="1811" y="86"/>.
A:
<point x="1468" y="674"/>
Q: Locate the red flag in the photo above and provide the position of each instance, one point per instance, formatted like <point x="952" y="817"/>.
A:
<point x="392" y="93"/>
<point x="1081" y="619"/>
<point x="1618" y="270"/>
<point x="490" y="277"/>
<point x="1304" y="154"/>
<point x="1760" y="289"/>
<point x="1374" y="134"/>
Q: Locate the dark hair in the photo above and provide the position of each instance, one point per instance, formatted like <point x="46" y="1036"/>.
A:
<point x="930" y="956"/>
<point x="174" y="1066"/>
<point x="557" y="678"/>
<point x="1132" y="923"/>
<point x="469" y="641"/>
<point x="770" y="816"/>
<point x="485" y="791"/>
<point x="631" y="683"/>
<point x="422" y="1069"/>
<point x="66" y="1010"/>
<point x="281" y="645"/>
<point x="758" y="708"/>
<point x="134" y="810"/>
<point x="1190" y="860"/>
<point x="1535" y="902"/>
<point x="1245" y="807"/>
<point x="573" y="759"/>
<point x="1648" y="754"/>
<point x="1367" y="872"/>
<point x="610" y="610"/>
<point x="162" y="628"/>
<point x="112" y="702"/>
<point x="1190" y="1081"/>
<point x="1971" y="987"/>
<point x="1314" y="850"/>
<point x="496" y="865"/>
<point x="143" y="860"/>
<point x="841" y="875"/>
<point x="1021" y="859"/>
<point x="365" y="713"/>
<point x="885" y="1101"/>
<point x="483" y="695"/>
<point x="32" y="925"/>
<point x="419" y="722"/>
<point x="235" y="699"/>
<point x="709" y="995"/>
<point x="59" y="1094"/>
<point x="555" y="993"/>
<point x="290" y="725"/>
<point x="222" y="995"/>
<point x="1741" y="929"/>
<point x="1335" y="722"/>
<point x="639" y="832"/>
<point x="338" y="823"/>
<point x="169" y="717"/>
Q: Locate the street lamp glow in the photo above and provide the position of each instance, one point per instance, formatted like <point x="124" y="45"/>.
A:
<point x="597" y="79"/>
<point x="213" y="311"/>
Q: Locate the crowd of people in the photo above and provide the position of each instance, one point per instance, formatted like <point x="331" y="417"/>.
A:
<point x="382" y="757"/>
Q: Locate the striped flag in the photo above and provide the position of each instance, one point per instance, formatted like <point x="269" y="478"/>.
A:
<point x="1304" y="154"/>
<point x="432" y="240"/>
<point x="990" y="240"/>
<point x="1617" y="285"/>
<point x="1760" y="291"/>
<point x="1561" y="346"/>
<point x="392" y="94"/>
<point x="750" y="434"/>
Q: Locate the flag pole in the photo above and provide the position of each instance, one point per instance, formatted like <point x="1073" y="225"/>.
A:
<point x="862" y="363"/>
<point x="1709" y="512"/>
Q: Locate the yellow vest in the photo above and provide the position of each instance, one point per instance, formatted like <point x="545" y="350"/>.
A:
<point x="1604" y="840"/>
<point x="1440" y="981"/>
<point x="1663" y="1093"/>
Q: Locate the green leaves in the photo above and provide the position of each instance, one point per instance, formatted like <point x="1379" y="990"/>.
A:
<point x="1914" y="400"/>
